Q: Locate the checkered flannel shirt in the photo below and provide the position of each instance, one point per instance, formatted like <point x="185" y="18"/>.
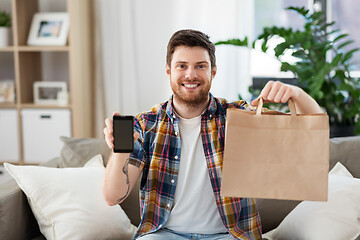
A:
<point x="157" y="154"/>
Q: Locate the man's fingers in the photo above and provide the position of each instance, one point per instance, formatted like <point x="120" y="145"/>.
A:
<point x="108" y="138"/>
<point x="287" y="95"/>
<point x="136" y="136"/>
<point x="265" y="91"/>
<point x="109" y="124"/>
<point x="276" y="92"/>
<point x="108" y="132"/>
<point x="255" y="102"/>
<point x="280" y="94"/>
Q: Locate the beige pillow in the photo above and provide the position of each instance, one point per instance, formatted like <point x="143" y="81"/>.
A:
<point x="338" y="218"/>
<point x="77" y="151"/>
<point x="68" y="202"/>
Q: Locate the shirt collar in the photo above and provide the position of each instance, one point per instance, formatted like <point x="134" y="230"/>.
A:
<point x="209" y="111"/>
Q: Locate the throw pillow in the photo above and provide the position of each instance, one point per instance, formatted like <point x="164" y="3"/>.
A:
<point x="346" y="150"/>
<point x="68" y="202"/>
<point x="340" y="170"/>
<point x="76" y="151"/>
<point x="338" y="218"/>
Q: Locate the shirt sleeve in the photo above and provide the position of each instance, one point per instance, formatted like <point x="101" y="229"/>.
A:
<point x="241" y="104"/>
<point x="250" y="219"/>
<point x="137" y="158"/>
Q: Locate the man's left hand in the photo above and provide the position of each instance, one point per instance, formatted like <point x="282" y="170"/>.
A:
<point x="277" y="92"/>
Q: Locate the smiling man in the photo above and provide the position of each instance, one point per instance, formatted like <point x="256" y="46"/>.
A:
<point x="179" y="152"/>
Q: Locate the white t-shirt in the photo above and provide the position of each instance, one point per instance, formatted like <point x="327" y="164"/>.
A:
<point x="194" y="209"/>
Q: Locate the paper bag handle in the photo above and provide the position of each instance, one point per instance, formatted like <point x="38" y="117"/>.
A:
<point x="290" y="104"/>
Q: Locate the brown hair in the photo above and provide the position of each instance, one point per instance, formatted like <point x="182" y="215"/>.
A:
<point x="190" y="38"/>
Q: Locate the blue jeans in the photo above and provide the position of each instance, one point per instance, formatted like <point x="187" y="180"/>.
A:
<point x="166" y="234"/>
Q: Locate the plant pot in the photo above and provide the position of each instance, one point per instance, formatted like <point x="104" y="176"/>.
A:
<point x="4" y="36"/>
<point x="342" y="130"/>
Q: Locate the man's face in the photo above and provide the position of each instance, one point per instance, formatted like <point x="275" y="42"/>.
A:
<point x="190" y="75"/>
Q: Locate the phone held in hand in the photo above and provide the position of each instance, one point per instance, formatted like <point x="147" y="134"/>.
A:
<point x="123" y="130"/>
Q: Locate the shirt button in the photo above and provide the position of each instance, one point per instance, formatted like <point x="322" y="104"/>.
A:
<point x="172" y="180"/>
<point x="168" y="205"/>
<point x="176" y="157"/>
<point x="176" y="133"/>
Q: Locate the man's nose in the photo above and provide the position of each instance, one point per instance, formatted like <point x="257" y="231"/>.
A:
<point x="191" y="73"/>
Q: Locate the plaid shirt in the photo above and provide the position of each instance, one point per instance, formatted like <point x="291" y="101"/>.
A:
<point x="157" y="154"/>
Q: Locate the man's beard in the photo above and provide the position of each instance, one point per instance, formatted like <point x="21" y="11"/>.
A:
<point x="192" y="101"/>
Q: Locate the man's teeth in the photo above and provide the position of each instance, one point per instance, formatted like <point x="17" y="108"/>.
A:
<point x="190" y="85"/>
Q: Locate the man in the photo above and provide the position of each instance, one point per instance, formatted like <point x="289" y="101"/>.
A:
<point x="179" y="152"/>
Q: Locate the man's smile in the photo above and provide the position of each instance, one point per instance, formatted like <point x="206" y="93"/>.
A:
<point x="190" y="85"/>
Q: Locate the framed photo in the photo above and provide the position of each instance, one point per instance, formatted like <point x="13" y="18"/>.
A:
<point x="51" y="93"/>
<point x="7" y="91"/>
<point x="49" y="29"/>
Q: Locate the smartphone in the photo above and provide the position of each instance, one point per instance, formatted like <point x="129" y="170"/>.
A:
<point x="123" y="131"/>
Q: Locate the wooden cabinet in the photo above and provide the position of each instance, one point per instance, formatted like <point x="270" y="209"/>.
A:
<point x="71" y="63"/>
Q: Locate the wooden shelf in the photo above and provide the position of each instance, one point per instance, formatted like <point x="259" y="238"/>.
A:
<point x="7" y="49"/>
<point x="43" y="48"/>
<point x="25" y="64"/>
<point x="8" y="105"/>
<point x="33" y="105"/>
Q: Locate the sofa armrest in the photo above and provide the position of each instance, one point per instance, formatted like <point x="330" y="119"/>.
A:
<point x="16" y="218"/>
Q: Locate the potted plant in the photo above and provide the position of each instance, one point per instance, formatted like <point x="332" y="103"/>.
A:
<point x="5" y="23"/>
<point x="327" y="80"/>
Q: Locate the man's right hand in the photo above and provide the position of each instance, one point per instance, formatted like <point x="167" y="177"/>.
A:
<point x="120" y="176"/>
<point x="109" y="132"/>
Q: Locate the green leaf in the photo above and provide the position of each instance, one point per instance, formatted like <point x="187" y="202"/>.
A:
<point x="327" y="25"/>
<point x="302" y="11"/>
<point x="345" y="43"/>
<point x="340" y="37"/>
<point x="264" y="48"/>
<point x="339" y="74"/>
<point x="349" y="54"/>
<point x="5" y="19"/>
<point x="300" y="54"/>
<point x="280" y="48"/>
<point x="336" y="60"/>
<point x="253" y="44"/>
<point x="235" y="42"/>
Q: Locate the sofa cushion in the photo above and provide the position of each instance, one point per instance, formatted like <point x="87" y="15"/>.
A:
<point x="345" y="150"/>
<point x="338" y="218"/>
<point x="68" y="202"/>
<point x="77" y="151"/>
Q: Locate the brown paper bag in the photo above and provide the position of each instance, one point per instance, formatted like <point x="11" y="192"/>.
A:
<point x="276" y="155"/>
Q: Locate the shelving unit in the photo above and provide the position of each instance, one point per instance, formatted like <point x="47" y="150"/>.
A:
<point x="40" y="63"/>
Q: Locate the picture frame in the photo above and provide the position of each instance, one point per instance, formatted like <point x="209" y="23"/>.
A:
<point x="49" y="29"/>
<point x="50" y="92"/>
<point x="7" y="91"/>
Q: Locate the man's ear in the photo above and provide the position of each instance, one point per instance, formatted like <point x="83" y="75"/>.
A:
<point x="213" y="71"/>
<point x="168" y="70"/>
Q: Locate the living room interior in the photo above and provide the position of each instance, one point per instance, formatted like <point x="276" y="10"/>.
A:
<point x="65" y="66"/>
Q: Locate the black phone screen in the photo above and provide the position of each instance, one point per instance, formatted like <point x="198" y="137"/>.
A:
<point x="123" y="128"/>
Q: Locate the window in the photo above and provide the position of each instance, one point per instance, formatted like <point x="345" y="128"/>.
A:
<point x="270" y="13"/>
<point x="345" y="14"/>
<point x="274" y="13"/>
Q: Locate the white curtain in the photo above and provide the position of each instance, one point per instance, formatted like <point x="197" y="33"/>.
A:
<point x="131" y="40"/>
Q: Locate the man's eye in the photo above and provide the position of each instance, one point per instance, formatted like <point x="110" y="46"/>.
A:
<point x="181" y="66"/>
<point x="201" y="66"/>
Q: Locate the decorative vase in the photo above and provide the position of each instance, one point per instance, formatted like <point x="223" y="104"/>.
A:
<point x="4" y="36"/>
<point x="342" y="130"/>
